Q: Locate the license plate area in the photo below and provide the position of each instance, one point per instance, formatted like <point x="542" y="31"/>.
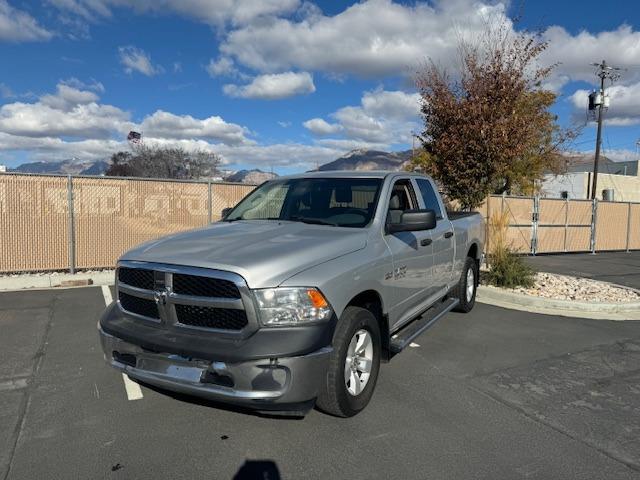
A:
<point x="186" y="371"/>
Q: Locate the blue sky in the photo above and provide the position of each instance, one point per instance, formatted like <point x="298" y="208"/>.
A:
<point x="280" y="84"/>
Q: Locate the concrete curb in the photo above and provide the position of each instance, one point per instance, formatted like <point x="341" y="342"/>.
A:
<point x="51" y="280"/>
<point x="566" y="308"/>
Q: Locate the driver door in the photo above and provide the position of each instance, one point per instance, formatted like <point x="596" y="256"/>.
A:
<point x="412" y="257"/>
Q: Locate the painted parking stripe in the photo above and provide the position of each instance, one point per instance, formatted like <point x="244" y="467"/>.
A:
<point x="106" y="293"/>
<point x="133" y="389"/>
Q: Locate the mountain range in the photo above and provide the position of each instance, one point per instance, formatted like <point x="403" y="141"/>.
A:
<point x="66" y="167"/>
<point x="355" y="160"/>
<point x="369" y="160"/>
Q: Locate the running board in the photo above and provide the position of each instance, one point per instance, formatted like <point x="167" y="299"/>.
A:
<point x="408" y="333"/>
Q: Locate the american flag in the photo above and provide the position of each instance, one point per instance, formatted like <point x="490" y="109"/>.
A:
<point x="134" y="137"/>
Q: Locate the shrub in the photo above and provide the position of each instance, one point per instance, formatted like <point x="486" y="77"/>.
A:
<point x="506" y="269"/>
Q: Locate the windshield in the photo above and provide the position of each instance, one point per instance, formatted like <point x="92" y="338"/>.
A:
<point x="341" y="202"/>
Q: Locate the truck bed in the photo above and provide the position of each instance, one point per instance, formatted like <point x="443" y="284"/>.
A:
<point x="455" y="215"/>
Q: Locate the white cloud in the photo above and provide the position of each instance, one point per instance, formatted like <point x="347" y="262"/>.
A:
<point x="72" y="123"/>
<point x="373" y="38"/>
<point x="51" y="148"/>
<point x="348" y="145"/>
<point x="77" y="114"/>
<point x="222" y="66"/>
<point x="67" y="98"/>
<point x="213" y="12"/>
<point x="135" y="59"/>
<point x="273" y="86"/>
<point x="301" y="156"/>
<point x="319" y="126"/>
<point x="621" y="155"/>
<point x="624" y="107"/>
<point x="379" y="38"/>
<point x="576" y="53"/>
<point x="383" y="118"/>
<point x="69" y="112"/>
<point x="18" y="26"/>
<point x="168" y="125"/>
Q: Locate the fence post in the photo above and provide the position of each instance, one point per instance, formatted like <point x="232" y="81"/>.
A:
<point x="534" y="225"/>
<point x="487" y="232"/>
<point x="209" y="204"/>
<point x="628" y="224"/>
<point x="594" y="217"/>
<point x="566" y="222"/>
<point x="71" y="226"/>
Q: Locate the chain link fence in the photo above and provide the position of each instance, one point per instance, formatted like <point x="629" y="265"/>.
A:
<point x="57" y="222"/>
<point x="50" y="222"/>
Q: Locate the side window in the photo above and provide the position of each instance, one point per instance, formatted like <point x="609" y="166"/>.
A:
<point x="429" y="196"/>
<point x="402" y="199"/>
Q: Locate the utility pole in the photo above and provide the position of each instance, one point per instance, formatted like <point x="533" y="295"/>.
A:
<point x="604" y="71"/>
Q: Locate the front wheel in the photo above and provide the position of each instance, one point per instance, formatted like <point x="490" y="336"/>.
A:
<point x="467" y="286"/>
<point x="354" y="364"/>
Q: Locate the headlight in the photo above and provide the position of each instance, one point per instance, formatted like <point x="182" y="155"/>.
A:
<point x="291" y="306"/>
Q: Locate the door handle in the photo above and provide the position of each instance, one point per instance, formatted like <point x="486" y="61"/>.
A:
<point x="425" y="242"/>
<point x="448" y="235"/>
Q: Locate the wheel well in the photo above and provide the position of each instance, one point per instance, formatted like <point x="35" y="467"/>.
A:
<point x="371" y="300"/>
<point x="473" y="251"/>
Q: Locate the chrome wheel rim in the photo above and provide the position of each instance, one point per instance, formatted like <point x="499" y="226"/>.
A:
<point x="471" y="284"/>
<point x="357" y="365"/>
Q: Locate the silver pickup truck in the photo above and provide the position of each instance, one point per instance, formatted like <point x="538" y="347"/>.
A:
<point x="297" y="295"/>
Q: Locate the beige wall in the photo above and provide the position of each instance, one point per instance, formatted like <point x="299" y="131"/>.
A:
<point x="626" y="188"/>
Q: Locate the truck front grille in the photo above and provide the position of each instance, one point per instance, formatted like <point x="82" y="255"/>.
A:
<point x="136" y="277"/>
<point x="204" y="286"/>
<point x="139" y="306"/>
<point x="183" y="297"/>
<point x="207" y="317"/>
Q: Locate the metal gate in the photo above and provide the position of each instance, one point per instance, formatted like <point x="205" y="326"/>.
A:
<point x="555" y="225"/>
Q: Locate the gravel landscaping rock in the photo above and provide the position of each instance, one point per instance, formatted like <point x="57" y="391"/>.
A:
<point x="564" y="287"/>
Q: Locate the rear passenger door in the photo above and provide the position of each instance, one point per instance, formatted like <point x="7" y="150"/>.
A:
<point x="442" y="237"/>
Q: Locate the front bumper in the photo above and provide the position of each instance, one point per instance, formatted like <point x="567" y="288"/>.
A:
<point x="283" y="383"/>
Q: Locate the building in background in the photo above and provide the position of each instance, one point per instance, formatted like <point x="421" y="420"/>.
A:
<point x="3" y="168"/>
<point x="618" y="181"/>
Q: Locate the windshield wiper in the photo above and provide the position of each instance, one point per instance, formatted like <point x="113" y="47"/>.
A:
<point x="246" y="219"/>
<point x="313" y="221"/>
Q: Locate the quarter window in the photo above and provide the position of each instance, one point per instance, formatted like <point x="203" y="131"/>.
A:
<point x="429" y="196"/>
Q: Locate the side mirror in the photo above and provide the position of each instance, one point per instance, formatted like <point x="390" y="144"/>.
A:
<point x="226" y="211"/>
<point x="413" y="221"/>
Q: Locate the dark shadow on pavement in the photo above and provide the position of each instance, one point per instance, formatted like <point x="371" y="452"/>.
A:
<point x="258" y="470"/>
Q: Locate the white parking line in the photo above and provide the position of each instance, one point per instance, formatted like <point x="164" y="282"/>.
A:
<point x="106" y="293"/>
<point x="133" y="389"/>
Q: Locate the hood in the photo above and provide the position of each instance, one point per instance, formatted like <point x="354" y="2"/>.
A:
<point x="265" y="253"/>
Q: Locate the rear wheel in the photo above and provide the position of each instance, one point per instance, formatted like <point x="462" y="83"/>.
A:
<point x="354" y="364"/>
<point x="467" y="285"/>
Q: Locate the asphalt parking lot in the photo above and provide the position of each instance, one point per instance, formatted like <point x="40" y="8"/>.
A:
<point x="617" y="267"/>
<point x="491" y="394"/>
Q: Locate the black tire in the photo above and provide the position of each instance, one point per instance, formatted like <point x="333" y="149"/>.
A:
<point x="460" y="292"/>
<point x="334" y="398"/>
